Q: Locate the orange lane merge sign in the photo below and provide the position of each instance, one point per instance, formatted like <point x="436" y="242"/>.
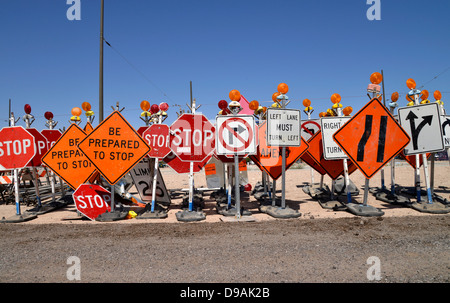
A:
<point x="114" y="147"/>
<point x="67" y="161"/>
<point x="371" y="138"/>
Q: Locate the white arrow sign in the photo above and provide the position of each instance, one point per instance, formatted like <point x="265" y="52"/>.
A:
<point x="423" y="125"/>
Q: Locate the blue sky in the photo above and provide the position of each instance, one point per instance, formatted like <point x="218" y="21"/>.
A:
<point x="317" y="47"/>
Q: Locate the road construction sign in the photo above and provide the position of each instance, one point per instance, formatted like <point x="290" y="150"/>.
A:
<point x="235" y="135"/>
<point x="157" y="137"/>
<point x="309" y="128"/>
<point x="333" y="168"/>
<point x="114" y="147"/>
<point x="371" y="138"/>
<point x="92" y="200"/>
<point x="41" y="147"/>
<point x="423" y="125"/>
<point x="67" y="161"/>
<point x="142" y="175"/>
<point x="192" y="137"/>
<point x="269" y="158"/>
<point x="445" y="120"/>
<point x="17" y="147"/>
<point x="283" y="127"/>
<point x="329" y="125"/>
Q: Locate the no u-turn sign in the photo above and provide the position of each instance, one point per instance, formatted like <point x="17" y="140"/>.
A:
<point x="235" y="135"/>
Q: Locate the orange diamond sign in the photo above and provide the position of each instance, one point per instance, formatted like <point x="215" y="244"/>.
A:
<point x="67" y="161"/>
<point x="371" y="138"/>
<point x="114" y="147"/>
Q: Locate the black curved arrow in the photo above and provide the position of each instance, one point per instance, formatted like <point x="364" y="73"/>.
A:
<point x="416" y="131"/>
<point x="447" y="122"/>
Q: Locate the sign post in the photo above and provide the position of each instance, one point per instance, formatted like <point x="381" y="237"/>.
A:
<point x="235" y="135"/>
<point x="391" y="196"/>
<point x="423" y="132"/>
<point x="370" y="121"/>
<point x="283" y="130"/>
<point x="157" y="136"/>
<point x="17" y="148"/>
<point x="41" y="148"/>
<point x="192" y="140"/>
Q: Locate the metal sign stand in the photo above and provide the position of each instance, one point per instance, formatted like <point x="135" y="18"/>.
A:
<point x="155" y="214"/>
<point x="55" y="204"/>
<point x="364" y="209"/>
<point x="113" y="215"/>
<point x="236" y="213"/>
<point x="283" y="211"/>
<point x="18" y="217"/>
<point x="430" y="206"/>
<point x="190" y="214"/>
<point x="29" y="119"/>
<point x="391" y="196"/>
<point x="313" y="190"/>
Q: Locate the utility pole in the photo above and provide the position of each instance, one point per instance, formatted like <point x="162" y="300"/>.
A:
<point x="100" y="93"/>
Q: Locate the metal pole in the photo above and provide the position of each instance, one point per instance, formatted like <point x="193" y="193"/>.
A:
<point x="9" y="119"/>
<point x="15" y="172"/>
<point x="283" y="177"/>
<point x="191" y="171"/>
<point x="100" y="93"/>
<point x="384" y="102"/>
<point x="236" y="187"/>
<point x="417" y="171"/>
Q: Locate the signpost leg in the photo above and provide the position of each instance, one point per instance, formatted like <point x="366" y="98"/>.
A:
<point x="236" y="187"/>
<point x="366" y="191"/>
<point x="347" y="182"/>
<point x="283" y="177"/>
<point x="274" y="188"/>
<point x="432" y="174"/>
<point x="191" y="185"/>
<point x="36" y="186"/>
<point x="393" y="176"/>
<point x="16" y="191"/>
<point x="427" y="178"/>
<point x="155" y="176"/>
<point x="52" y="184"/>
<point x="417" y="178"/>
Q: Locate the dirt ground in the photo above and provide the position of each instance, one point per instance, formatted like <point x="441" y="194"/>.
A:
<point x="320" y="246"/>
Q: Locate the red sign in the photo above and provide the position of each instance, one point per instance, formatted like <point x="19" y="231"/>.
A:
<point x="269" y="158"/>
<point x="411" y="159"/>
<point x="52" y="135"/>
<point x="183" y="167"/>
<point x="310" y="161"/>
<point x="333" y="168"/>
<point x="41" y="144"/>
<point x="17" y="147"/>
<point x="371" y="138"/>
<point x="192" y="137"/>
<point x="114" y="147"/>
<point x="92" y="200"/>
<point x="157" y="137"/>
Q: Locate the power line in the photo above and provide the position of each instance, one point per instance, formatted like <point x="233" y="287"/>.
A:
<point x="136" y="69"/>
<point x="434" y="78"/>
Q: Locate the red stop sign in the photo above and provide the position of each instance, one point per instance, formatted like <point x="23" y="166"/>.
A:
<point x="92" y="200"/>
<point x="192" y="137"/>
<point x="182" y="167"/>
<point x="41" y="147"/>
<point x="17" y="147"/>
<point x="157" y="136"/>
<point x="52" y="135"/>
